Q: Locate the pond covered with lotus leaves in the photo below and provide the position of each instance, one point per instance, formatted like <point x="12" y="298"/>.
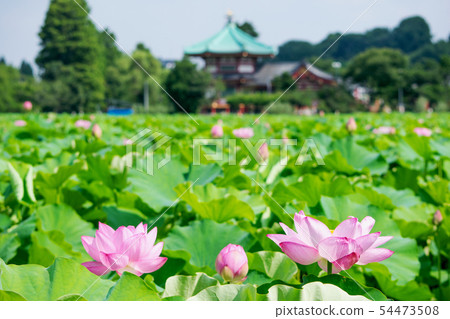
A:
<point x="206" y="185"/>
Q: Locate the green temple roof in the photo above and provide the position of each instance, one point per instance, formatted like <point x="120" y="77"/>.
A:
<point x="230" y="40"/>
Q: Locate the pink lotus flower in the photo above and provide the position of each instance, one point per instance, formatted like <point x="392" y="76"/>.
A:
<point x="96" y="131"/>
<point x="263" y="151"/>
<point x="351" y="125"/>
<point x="129" y="249"/>
<point x="422" y="131"/>
<point x="217" y="131"/>
<point x="384" y="130"/>
<point x="83" y="123"/>
<point x="350" y="243"/>
<point x="243" y="132"/>
<point x="20" y="123"/>
<point x="27" y="105"/>
<point x="232" y="264"/>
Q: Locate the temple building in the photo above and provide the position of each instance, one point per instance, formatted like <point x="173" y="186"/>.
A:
<point x="242" y="62"/>
<point x="231" y="55"/>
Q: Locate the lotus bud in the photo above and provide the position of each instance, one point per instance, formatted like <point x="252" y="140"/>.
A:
<point x="27" y="105"/>
<point x="351" y="125"/>
<point x="97" y="131"/>
<point x="264" y="152"/>
<point x="232" y="264"/>
<point x="437" y="218"/>
<point x="217" y="131"/>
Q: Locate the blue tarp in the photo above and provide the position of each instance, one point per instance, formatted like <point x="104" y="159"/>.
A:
<point x="116" y="111"/>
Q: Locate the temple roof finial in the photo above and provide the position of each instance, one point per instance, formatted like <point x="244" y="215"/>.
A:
<point x="229" y="16"/>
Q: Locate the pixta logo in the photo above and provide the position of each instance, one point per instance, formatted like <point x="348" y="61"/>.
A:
<point x="141" y="150"/>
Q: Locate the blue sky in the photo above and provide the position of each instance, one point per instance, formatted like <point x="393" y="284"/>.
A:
<point x="168" y="26"/>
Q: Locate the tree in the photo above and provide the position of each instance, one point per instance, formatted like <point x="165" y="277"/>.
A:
<point x="380" y="69"/>
<point x="434" y="51"/>
<point x="348" y="46"/>
<point x="137" y="77"/>
<point x="70" y="45"/>
<point x="282" y="82"/>
<point x="66" y="93"/>
<point x="187" y="85"/>
<point x="411" y="34"/>
<point x="428" y="78"/>
<point x="248" y="28"/>
<point x="15" y="89"/>
<point x="26" y="69"/>
<point x="115" y="67"/>
<point x="9" y="76"/>
<point x="379" y="38"/>
<point x="296" y="51"/>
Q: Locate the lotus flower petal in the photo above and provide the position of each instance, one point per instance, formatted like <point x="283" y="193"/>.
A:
<point x="310" y="230"/>
<point x="348" y="228"/>
<point x="374" y="255"/>
<point x="367" y="225"/>
<point x="302" y="254"/>
<point x="366" y="241"/>
<point x="381" y="240"/>
<point x="96" y="267"/>
<point x="334" y="248"/>
<point x="150" y="265"/>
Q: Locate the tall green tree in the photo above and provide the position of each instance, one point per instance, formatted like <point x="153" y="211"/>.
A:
<point x="383" y="70"/>
<point x="296" y="51"/>
<point x="9" y="76"/>
<point x="138" y="78"/>
<point x="115" y="66"/>
<point x="411" y="34"/>
<point x="187" y="85"/>
<point x="15" y="88"/>
<point x="26" y="69"/>
<point x="70" y="45"/>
